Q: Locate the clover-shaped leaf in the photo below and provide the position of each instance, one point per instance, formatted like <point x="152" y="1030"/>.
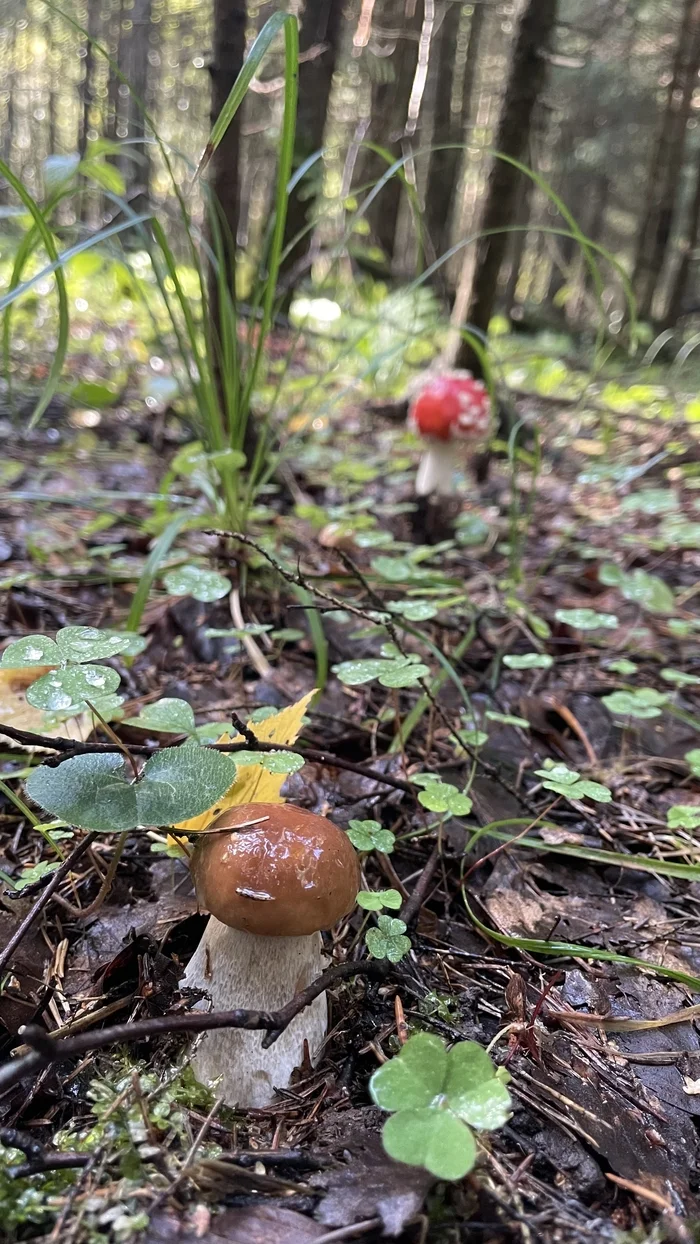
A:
<point x="440" y="796"/>
<point x="679" y="678"/>
<point x="96" y="791"/>
<point x="683" y="816"/>
<point x="414" y="610"/>
<point x="567" y="782"/>
<point x="204" y="585"/>
<point x="587" y="619"/>
<point x="644" y="704"/>
<point x="87" y="643"/>
<point x="529" y="661"/>
<point x="369" y="836"/>
<point x="623" y="666"/>
<point x="132" y="644"/>
<point x="167" y="716"/>
<point x="435" y="1096"/>
<point x="394" y="671"/>
<point x="37" y="872"/>
<point x="374" y="900"/>
<point x="69" y="688"/>
<point x="388" y="940"/>
<point x="692" y="759"/>
<point x="33" y="650"/>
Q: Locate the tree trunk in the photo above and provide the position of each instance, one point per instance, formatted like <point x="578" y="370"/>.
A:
<point x="87" y="85"/>
<point x="134" y="65"/>
<point x="230" y="18"/>
<point x="518" y="242"/>
<point x="443" y="166"/>
<point x="667" y="162"/>
<point x="391" y="92"/>
<point x="525" y="83"/>
<point x="679" y="287"/>
<point x="320" y="31"/>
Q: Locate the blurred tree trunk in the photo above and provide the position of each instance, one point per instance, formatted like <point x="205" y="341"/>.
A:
<point x="401" y="22"/>
<point x="667" y="162"/>
<point x="679" y="288"/>
<point x="230" y="18"/>
<point x="518" y="242"/>
<point x="135" y="164"/>
<point x="87" y="85"/>
<point x="526" y="80"/>
<point x="443" y="166"/>
<point x="321" y="26"/>
<point x="115" y="43"/>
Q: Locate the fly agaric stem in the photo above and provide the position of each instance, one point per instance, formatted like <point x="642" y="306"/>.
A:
<point x="436" y="469"/>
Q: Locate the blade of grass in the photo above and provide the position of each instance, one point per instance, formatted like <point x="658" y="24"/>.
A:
<point x="572" y="950"/>
<point x="54" y="377"/>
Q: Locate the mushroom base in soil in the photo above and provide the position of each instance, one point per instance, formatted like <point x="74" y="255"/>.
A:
<point x="272" y="876"/>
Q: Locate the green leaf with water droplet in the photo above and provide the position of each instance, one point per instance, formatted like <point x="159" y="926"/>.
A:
<point x="369" y="836"/>
<point x="204" y="585"/>
<point x="33" y="650"/>
<point x="71" y="687"/>
<point x="87" y="643"/>
<point x="167" y="716"/>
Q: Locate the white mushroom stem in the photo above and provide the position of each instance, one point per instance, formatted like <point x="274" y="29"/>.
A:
<point x="436" y="469"/>
<point x="238" y="969"/>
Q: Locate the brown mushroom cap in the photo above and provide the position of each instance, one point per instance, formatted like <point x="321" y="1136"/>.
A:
<point x="291" y="874"/>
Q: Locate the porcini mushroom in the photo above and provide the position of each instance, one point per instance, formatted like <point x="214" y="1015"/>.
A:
<point x="446" y="409"/>
<point x="272" y="876"/>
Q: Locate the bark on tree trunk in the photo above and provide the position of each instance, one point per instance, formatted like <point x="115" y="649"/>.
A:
<point x="87" y="86"/>
<point x="443" y="166"/>
<point x="136" y="164"/>
<point x="525" y="83"/>
<point x="679" y="288"/>
<point x="319" y="34"/>
<point x="391" y="92"/>
<point x="667" y="162"/>
<point x="229" y="49"/>
<point x="518" y="243"/>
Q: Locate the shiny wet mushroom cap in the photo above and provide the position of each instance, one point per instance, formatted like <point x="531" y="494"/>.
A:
<point x="279" y="871"/>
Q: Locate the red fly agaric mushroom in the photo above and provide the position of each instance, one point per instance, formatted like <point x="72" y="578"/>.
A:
<point x="445" y="409"/>
<point x="272" y="876"/>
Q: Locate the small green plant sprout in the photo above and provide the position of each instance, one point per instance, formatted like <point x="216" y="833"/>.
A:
<point x="528" y="661"/>
<point x="683" y="816"/>
<point x="680" y="679"/>
<point x="692" y="760"/>
<point x="587" y="619"/>
<point x="74" y="678"/>
<point x="98" y="791"/>
<point x="391" y="671"/>
<point x="623" y="666"/>
<point x="388" y="940"/>
<point x="647" y="590"/>
<point x="439" y="796"/>
<point x="204" y="585"/>
<point x="507" y="719"/>
<point x="375" y="900"/>
<point x="436" y="1097"/>
<point x="643" y="704"/>
<point x="568" y="783"/>
<point x="369" y="836"/>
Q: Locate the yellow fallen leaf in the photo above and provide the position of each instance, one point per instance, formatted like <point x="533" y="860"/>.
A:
<point x="14" y="710"/>
<point x="254" y="784"/>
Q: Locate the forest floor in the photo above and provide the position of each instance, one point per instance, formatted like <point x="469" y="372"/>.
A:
<point x="585" y="571"/>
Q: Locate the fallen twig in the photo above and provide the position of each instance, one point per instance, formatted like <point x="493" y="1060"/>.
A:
<point x="46" y="1051"/>
<point x="49" y="890"/>
<point x="67" y="748"/>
